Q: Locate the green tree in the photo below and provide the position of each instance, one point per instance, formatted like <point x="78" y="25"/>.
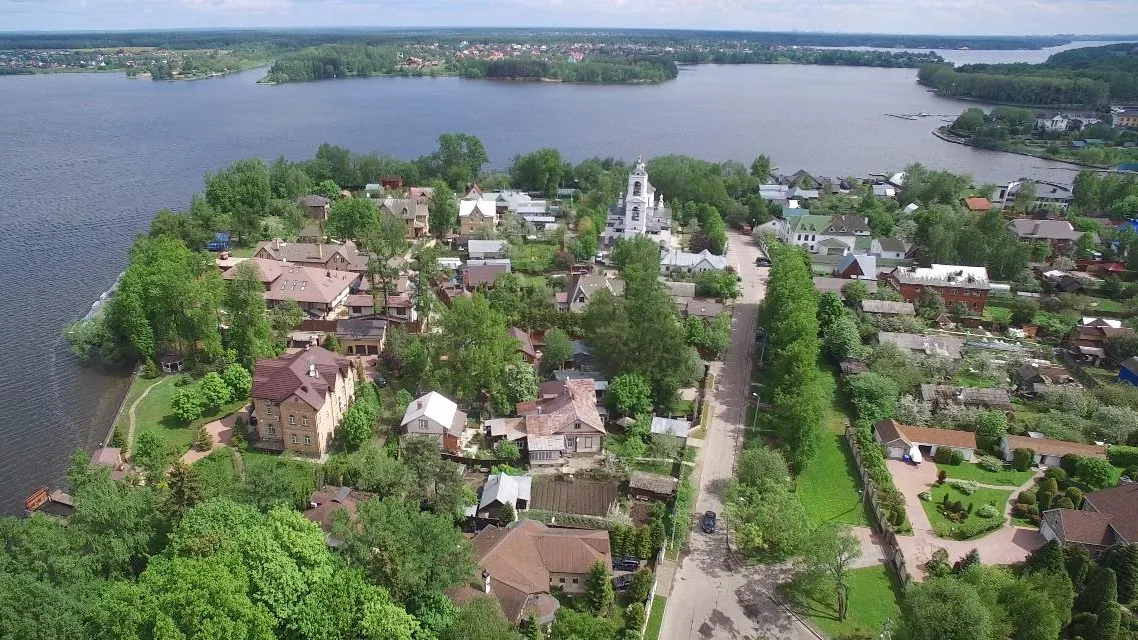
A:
<point x="873" y="395"/>
<point x="284" y="318"/>
<point x="944" y="608"/>
<point x="1122" y="558"/>
<point x="760" y="464"/>
<point x="331" y="343"/>
<point x="288" y="181"/>
<point x="203" y="441"/>
<point x="1096" y="473"/>
<point x="238" y="379"/>
<point x="761" y="167"/>
<point x="854" y="292"/>
<point x="1031" y="613"/>
<point x="248" y="319"/>
<point x="1100" y="590"/>
<point x="930" y="304"/>
<point x="768" y="521"/>
<point x="479" y="347"/>
<point x="443" y="208"/>
<point x="507" y="514"/>
<point x="520" y="383"/>
<point x="187" y="404"/>
<point x="214" y="392"/>
<point x="634" y="618"/>
<point x="327" y="189"/>
<point x="556" y="351"/>
<point x="717" y="284"/>
<point x="386" y="242"/>
<point x="828" y="560"/>
<point x="185" y="490"/>
<point x="842" y="340"/>
<point x="542" y="170"/>
<point x="598" y="589"/>
<point x="356" y="425"/>
<point x="641" y="585"/>
<point x="352" y="218"/>
<point x="242" y="192"/>
<point x="457" y="160"/>
<point x="118" y="526"/>
<point x="481" y="618"/>
<point x="629" y="395"/>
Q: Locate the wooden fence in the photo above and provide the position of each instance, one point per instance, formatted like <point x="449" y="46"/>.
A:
<point x="1077" y="370"/>
<point x="896" y="558"/>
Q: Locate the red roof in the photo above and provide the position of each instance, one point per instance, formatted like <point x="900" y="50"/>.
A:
<point x="977" y="204"/>
<point x="278" y="379"/>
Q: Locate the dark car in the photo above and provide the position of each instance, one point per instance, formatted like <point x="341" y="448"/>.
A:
<point x="381" y="382"/>
<point x="708" y="524"/>
<point x="763" y="262"/>
<point x="625" y="563"/>
<point x="620" y="583"/>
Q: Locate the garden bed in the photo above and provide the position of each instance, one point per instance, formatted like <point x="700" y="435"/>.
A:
<point x="946" y="528"/>
<point x="1006" y="477"/>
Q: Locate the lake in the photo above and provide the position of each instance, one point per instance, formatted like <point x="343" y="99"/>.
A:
<point x="89" y="159"/>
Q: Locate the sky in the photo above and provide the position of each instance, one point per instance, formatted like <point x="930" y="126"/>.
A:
<point x="972" y="17"/>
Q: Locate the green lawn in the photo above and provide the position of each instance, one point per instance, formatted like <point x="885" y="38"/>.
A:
<point x="655" y="618"/>
<point x="540" y="282"/>
<point x="873" y="597"/>
<point x="942" y="526"/>
<point x="532" y="258"/>
<point x="1006" y="477"/>
<point x="153" y="414"/>
<point x="828" y="487"/>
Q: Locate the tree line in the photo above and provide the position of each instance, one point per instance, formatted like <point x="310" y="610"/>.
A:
<point x="807" y="55"/>
<point x="1046" y="89"/>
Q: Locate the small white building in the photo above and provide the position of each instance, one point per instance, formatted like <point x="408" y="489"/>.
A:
<point x="676" y="260"/>
<point x="920" y="443"/>
<point x="887" y="248"/>
<point x="436" y="417"/>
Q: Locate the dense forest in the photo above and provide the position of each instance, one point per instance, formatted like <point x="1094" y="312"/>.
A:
<point x="1091" y="76"/>
<point x="298" y="38"/>
<point x="334" y="61"/>
<point x="597" y="70"/>
<point x="845" y="57"/>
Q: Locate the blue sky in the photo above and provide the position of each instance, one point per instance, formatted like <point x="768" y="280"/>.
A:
<point x="877" y="16"/>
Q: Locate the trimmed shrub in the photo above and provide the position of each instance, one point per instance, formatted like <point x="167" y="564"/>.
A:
<point x="988" y="463"/>
<point x="1056" y="473"/>
<point x="1131" y="472"/>
<point x="956" y="457"/>
<point x="987" y="511"/>
<point x="1075" y="494"/>
<point x="943" y="455"/>
<point x="1062" y="502"/>
<point x="967" y="487"/>
<point x="941" y="476"/>
<point x="926" y="495"/>
<point x="1070" y="463"/>
<point x="976" y="527"/>
<point x="1043" y="499"/>
<point x="1022" y="458"/>
<point x="1122" y="456"/>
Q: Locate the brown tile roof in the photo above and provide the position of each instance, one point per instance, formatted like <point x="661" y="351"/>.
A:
<point x="1121" y="504"/>
<point x="325" y="501"/>
<point x="977" y="204"/>
<point x="280" y="378"/>
<point x="1048" y="447"/>
<point x="1086" y="527"/>
<point x="310" y="254"/>
<point x="526" y="345"/>
<point x="520" y="557"/>
<point x="286" y="281"/>
<point x="890" y="430"/>
<point x="577" y="403"/>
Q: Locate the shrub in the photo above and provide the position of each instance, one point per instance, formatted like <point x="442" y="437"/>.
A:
<point x="987" y="511"/>
<point x="1022" y="458"/>
<point x="1043" y="499"/>
<point x="1026" y="497"/>
<point x="1070" y="464"/>
<point x="925" y="495"/>
<point x="943" y="455"/>
<point x="976" y="527"/>
<point x="1062" y="502"/>
<point x="1095" y="473"/>
<point x="203" y="441"/>
<point x="1056" y="473"/>
<point x="956" y="457"/>
<point x="187" y="404"/>
<point x="967" y="487"/>
<point x="941" y="476"/>
<point x="988" y="463"/>
<point x="238" y="379"/>
<point x="1075" y="494"/>
<point x="1131" y="472"/>
<point x="214" y="391"/>
<point x="1122" y="456"/>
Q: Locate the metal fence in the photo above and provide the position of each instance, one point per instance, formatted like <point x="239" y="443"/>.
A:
<point x="896" y="558"/>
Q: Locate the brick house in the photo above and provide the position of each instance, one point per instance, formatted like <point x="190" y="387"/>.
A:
<point x="299" y="399"/>
<point x="473" y="214"/>
<point x="966" y="285"/>
<point x="318" y="291"/>
<point x="334" y="256"/>
<point x="1108" y="516"/>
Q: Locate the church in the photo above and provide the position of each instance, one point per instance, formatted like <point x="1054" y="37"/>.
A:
<point x="639" y="212"/>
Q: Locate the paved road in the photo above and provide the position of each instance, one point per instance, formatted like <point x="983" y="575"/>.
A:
<point x="711" y="597"/>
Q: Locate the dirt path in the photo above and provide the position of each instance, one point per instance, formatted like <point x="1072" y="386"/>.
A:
<point x="221" y="431"/>
<point x="130" y="414"/>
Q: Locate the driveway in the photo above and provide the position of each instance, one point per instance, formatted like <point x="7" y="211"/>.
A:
<point x="1007" y="545"/>
<point x="711" y="596"/>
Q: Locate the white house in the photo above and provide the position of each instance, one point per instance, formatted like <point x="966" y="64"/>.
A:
<point x="887" y="248"/>
<point x="1047" y="452"/>
<point x="437" y="417"/>
<point x="676" y="260"/>
<point x="1057" y="122"/>
<point x="919" y="443"/>
<point x="824" y="235"/>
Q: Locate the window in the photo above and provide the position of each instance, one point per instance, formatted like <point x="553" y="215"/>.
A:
<point x="268" y="407"/>
<point x="576" y="425"/>
<point x="636" y="189"/>
<point x="307" y="439"/>
<point x="574" y="580"/>
<point x="304" y="421"/>
<point x="292" y="419"/>
<point x="272" y="430"/>
<point x="422" y="425"/>
<point x="561" y="580"/>
<point x="294" y="438"/>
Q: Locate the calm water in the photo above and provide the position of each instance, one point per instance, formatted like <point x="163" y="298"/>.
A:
<point x="87" y="160"/>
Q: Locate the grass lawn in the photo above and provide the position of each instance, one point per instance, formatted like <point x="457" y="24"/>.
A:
<point x="655" y="618"/>
<point x="942" y="526"/>
<point x="242" y="252"/>
<point x="1007" y="477"/>
<point x="153" y="414"/>
<point x="828" y="487"/>
<point x="873" y="598"/>
<point x="532" y="258"/>
<point x="968" y="379"/>
<point x="540" y="282"/>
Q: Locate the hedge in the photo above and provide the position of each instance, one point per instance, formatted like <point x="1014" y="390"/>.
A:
<point x="1122" y="455"/>
<point x="873" y="459"/>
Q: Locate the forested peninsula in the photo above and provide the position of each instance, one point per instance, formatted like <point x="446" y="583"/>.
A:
<point x="1091" y="77"/>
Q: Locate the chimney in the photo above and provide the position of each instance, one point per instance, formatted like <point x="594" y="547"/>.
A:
<point x="276" y="244"/>
<point x="320" y="250"/>
<point x="485" y="581"/>
<point x="312" y="373"/>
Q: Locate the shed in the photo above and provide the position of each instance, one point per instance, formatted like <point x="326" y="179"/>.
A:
<point x="900" y="440"/>
<point x="651" y="486"/>
<point x="671" y="427"/>
<point x="171" y="363"/>
<point x="501" y="489"/>
<point x="1129" y="371"/>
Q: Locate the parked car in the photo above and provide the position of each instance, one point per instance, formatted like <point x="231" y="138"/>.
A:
<point x="762" y="262"/>
<point x="620" y="583"/>
<point x="625" y="563"/>
<point x="381" y="382"/>
<point x="709" y="519"/>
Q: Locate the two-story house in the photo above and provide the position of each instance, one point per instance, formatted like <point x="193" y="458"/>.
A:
<point x="955" y="283"/>
<point x="581" y="287"/>
<point x="564" y="424"/>
<point x="473" y="214"/>
<point x="824" y="235"/>
<point x="436" y="417"/>
<point x="400" y="303"/>
<point x="334" y="256"/>
<point x="412" y="211"/>
<point x="320" y="292"/>
<point x="1057" y="233"/>
<point x="299" y="399"/>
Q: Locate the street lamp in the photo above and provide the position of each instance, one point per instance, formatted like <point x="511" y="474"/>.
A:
<point x="755" y="418"/>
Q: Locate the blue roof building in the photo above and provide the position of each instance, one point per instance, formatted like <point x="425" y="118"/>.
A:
<point x="220" y="242"/>
<point x="1129" y="371"/>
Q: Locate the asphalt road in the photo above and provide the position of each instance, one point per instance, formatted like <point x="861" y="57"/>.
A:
<point x="713" y="597"/>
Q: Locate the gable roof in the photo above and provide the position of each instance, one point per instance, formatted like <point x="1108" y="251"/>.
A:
<point x="435" y="407"/>
<point x="682" y="259"/>
<point x="486" y="246"/>
<point x="703" y="309"/>
<point x="484" y="273"/>
<point x="1048" y="447"/>
<point x="284" y="281"/>
<point x="370" y="327"/>
<point x="314" y="201"/>
<point x="890" y="430"/>
<point x="1121" y="504"/>
<point x="949" y="394"/>
<point x="808" y="224"/>
<point x="576" y="403"/>
<point x="1083" y="527"/>
<point x="485" y="207"/>
<point x="670" y="426"/>
<point x="846" y="224"/>
<point x="866" y="265"/>
<point x="312" y="254"/>
<point x="309" y="374"/>
<point x="1130" y="364"/>
<point x="654" y="482"/>
<point x="942" y="275"/>
<point x="503" y="488"/>
<point x="1027" y="228"/>
<point x="525" y="343"/>
<point x="890" y="245"/>
<point x="949" y="345"/>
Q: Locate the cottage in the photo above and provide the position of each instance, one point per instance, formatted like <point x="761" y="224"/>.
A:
<point x="317" y="206"/>
<point x="942" y="395"/>
<point x="502" y="489"/>
<point x="522" y="562"/>
<point x="651" y="486"/>
<point x="337" y="257"/>
<point x="1107" y="517"/>
<point x="580" y="288"/>
<point x="564" y="425"/>
<point x="824" y="235"/>
<point x="321" y="292"/>
<point x="888" y="308"/>
<point x="676" y="260"/>
<point x="436" y="417"/>
<point x="967" y="285"/>
<point x="525" y="345"/>
<point x="1096" y="334"/>
<point x="1047" y="452"/>
<point x="487" y="249"/>
<point x="299" y="399"/>
<point x="918" y="443"/>
<point x="888" y="249"/>
<point x="476" y="214"/>
<point x="412" y="211"/>
<point x="1033" y="379"/>
<point x="484" y="273"/>
<point x="1059" y="234"/>
<point x="1048" y="195"/>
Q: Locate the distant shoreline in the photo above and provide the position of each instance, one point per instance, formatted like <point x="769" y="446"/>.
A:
<point x="944" y="134"/>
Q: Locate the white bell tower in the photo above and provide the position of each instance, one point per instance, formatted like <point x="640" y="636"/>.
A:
<point x="638" y="199"/>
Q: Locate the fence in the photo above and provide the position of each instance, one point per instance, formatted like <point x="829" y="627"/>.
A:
<point x="1077" y="370"/>
<point x="869" y="493"/>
